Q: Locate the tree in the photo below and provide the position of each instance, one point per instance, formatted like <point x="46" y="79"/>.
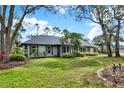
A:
<point x="99" y="41"/>
<point x="47" y="30"/>
<point x="56" y="30"/>
<point x="100" y="15"/>
<point x="6" y="19"/>
<point x="110" y="18"/>
<point x="72" y="38"/>
<point x="118" y="17"/>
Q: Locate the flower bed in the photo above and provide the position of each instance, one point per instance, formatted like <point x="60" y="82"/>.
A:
<point x="112" y="78"/>
<point x="11" y="64"/>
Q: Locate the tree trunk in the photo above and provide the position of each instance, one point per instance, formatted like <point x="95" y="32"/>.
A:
<point x="3" y="29"/>
<point x="117" y="53"/>
<point x="107" y="43"/>
<point x="2" y="47"/>
<point x="109" y="51"/>
<point x="7" y="46"/>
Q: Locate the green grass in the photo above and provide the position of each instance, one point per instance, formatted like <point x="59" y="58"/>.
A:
<point x="57" y="72"/>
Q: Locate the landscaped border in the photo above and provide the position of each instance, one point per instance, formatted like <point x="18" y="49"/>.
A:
<point x="12" y="64"/>
<point x="106" y="81"/>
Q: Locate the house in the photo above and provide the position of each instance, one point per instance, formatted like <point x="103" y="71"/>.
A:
<point x="44" y="45"/>
<point x="121" y="49"/>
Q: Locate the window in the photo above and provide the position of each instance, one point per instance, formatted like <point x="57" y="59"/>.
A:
<point x="84" y="50"/>
<point x="88" y="49"/>
<point x="25" y="47"/>
<point x="67" y="49"/>
<point x="33" y="48"/>
<point x="63" y="49"/>
<point x="48" y="49"/>
<point x="81" y="49"/>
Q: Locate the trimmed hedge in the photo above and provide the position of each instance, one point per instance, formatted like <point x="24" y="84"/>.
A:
<point x="17" y="57"/>
<point x="68" y="55"/>
<point x="89" y="53"/>
<point x="79" y="54"/>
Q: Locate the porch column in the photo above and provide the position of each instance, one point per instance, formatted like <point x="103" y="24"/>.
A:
<point x="28" y="50"/>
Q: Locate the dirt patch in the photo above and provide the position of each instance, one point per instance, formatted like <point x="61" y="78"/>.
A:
<point x="115" y="79"/>
<point x="11" y="64"/>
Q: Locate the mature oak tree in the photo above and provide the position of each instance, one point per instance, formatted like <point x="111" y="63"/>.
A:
<point x="108" y="17"/>
<point x="7" y="16"/>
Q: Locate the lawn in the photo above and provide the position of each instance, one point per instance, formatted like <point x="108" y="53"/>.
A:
<point x="57" y="72"/>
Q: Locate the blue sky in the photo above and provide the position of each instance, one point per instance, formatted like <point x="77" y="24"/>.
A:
<point x="61" y="20"/>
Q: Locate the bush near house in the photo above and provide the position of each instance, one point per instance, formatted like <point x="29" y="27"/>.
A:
<point x="68" y="55"/>
<point x="89" y="53"/>
<point x="17" y="54"/>
<point x="79" y="54"/>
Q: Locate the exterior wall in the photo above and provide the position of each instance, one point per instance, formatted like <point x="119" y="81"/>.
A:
<point x="41" y="50"/>
<point x="54" y="50"/>
<point x="121" y="51"/>
<point x="91" y="49"/>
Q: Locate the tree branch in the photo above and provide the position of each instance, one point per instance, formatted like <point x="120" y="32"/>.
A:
<point x="18" y="25"/>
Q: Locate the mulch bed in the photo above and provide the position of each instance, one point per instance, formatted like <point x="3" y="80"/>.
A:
<point x="117" y="78"/>
<point x="11" y="64"/>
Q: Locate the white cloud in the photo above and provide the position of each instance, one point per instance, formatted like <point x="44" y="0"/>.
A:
<point x="30" y="25"/>
<point x="62" y="11"/>
<point x="95" y="31"/>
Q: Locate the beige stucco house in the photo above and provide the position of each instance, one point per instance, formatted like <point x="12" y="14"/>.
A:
<point x="44" y="45"/>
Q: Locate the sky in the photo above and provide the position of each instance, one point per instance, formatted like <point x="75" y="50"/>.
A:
<point x="61" y="20"/>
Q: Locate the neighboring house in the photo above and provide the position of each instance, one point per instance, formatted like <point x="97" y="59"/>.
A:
<point x="45" y="45"/>
<point x="121" y="49"/>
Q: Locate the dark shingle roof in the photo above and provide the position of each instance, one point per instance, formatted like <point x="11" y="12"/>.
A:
<point x="44" y="39"/>
<point x="50" y="40"/>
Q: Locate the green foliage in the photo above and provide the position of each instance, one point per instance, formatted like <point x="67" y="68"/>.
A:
<point x="73" y="38"/>
<point x="17" y="57"/>
<point x="17" y="54"/>
<point x="17" y="50"/>
<point x="68" y="55"/>
<point x="34" y="52"/>
<point x="89" y="53"/>
<point x="79" y="54"/>
<point x="38" y="52"/>
<point x="44" y="53"/>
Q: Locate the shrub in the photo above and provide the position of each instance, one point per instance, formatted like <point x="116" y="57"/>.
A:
<point x="89" y="53"/>
<point x="68" y="55"/>
<point x="17" y="57"/>
<point x="78" y="54"/>
<point x="17" y="54"/>
<point x="34" y="52"/>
